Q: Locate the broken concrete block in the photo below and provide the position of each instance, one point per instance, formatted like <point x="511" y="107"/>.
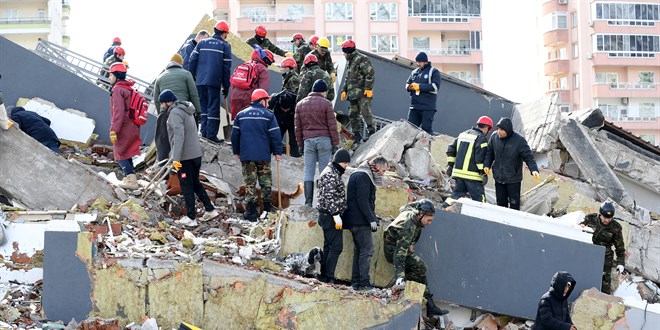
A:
<point x="539" y="122"/>
<point x="418" y="159"/>
<point x="540" y="201"/>
<point x="439" y="146"/>
<point x="643" y="250"/>
<point x="177" y="297"/>
<point x="596" y="310"/>
<point x="591" y="118"/>
<point x="71" y="125"/>
<point x="390" y="142"/>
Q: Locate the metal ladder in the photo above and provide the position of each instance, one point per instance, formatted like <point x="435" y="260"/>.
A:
<point x="85" y="67"/>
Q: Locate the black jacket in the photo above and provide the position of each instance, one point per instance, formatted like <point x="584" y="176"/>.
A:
<point x="466" y="155"/>
<point x="553" y="313"/>
<point x="505" y="155"/>
<point x="360" y="198"/>
<point x="285" y="99"/>
<point x="34" y="125"/>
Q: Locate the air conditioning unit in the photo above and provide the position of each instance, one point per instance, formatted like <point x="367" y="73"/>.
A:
<point x="591" y="23"/>
<point x="442" y="37"/>
<point x="589" y="56"/>
<point x="563" y="2"/>
<point x="624" y="100"/>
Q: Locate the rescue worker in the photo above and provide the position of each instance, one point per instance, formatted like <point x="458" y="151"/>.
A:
<point x="311" y="74"/>
<point x="117" y="57"/>
<point x="254" y="138"/>
<point x="465" y="162"/>
<point x="505" y="154"/>
<point x="553" y="312"/>
<point x="265" y="43"/>
<point x="423" y="85"/>
<point x="188" y="47"/>
<point x="210" y="65"/>
<point x="283" y="103"/>
<point x="115" y="43"/>
<point x="331" y="197"/>
<point x="37" y="127"/>
<point x="303" y="49"/>
<point x="358" y="89"/>
<point x="324" y="58"/>
<point x="239" y="97"/>
<point x="399" y="239"/>
<point x="607" y="233"/>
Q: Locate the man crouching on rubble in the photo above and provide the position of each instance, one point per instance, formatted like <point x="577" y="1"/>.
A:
<point x="186" y="153"/>
<point x="399" y="245"/>
<point x="553" y="313"/>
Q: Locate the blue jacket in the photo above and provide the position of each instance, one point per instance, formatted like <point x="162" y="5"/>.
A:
<point x="109" y="52"/>
<point x="428" y="88"/>
<point x="256" y="134"/>
<point x="360" y="198"/>
<point x="210" y="62"/>
<point x="185" y="52"/>
<point x="34" y="125"/>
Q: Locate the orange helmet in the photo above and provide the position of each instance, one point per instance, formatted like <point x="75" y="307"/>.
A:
<point x="485" y="120"/>
<point x="118" y="67"/>
<point x="117" y="40"/>
<point x="348" y="44"/>
<point x="259" y="94"/>
<point x="222" y="26"/>
<point x="289" y="63"/>
<point x="260" y="31"/>
<point x="310" y="58"/>
<point x="119" y="51"/>
<point x="313" y="40"/>
<point x="297" y="36"/>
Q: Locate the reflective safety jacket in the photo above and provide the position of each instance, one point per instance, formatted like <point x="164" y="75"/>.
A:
<point x="466" y="155"/>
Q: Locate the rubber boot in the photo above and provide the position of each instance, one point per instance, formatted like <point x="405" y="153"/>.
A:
<point x="251" y="213"/>
<point x="129" y="182"/>
<point x="309" y="193"/>
<point x="432" y="309"/>
<point x="357" y="138"/>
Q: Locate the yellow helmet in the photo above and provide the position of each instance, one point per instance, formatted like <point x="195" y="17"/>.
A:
<point x="125" y="64"/>
<point x="324" y="42"/>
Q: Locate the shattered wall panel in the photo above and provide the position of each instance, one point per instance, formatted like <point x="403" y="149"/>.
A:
<point x="127" y="307"/>
<point x="538" y="122"/>
<point x="177" y="297"/>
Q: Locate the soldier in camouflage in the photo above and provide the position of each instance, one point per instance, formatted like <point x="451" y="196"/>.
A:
<point x="265" y="43"/>
<point x="283" y="103"/>
<point x="322" y="53"/>
<point x="358" y="89"/>
<point x="399" y="245"/>
<point x="312" y="73"/>
<point x="302" y="49"/>
<point x="607" y="233"/>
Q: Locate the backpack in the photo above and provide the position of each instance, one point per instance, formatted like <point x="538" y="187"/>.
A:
<point x="245" y="75"/>
<point x="138" y="107"/>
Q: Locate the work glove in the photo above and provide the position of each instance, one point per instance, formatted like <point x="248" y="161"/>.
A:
<point x="343" y="95"/>
<point x="225" y="92"/>
<point x="400" y="282"/>
<point x="288" y="54"/>
<point x="338" y="222"/>
<point x="415" y="87"/>
<point x="620" y="269"/>
<point x="301" y="150"/>
<point x="369" y="93"/>
<point x="334" y="148"/>
<point x="334" y="77"/>
<point x="536" y="175"/>
<point x="374" y="226"/>
<point x="450" y="170"/>
<point x="176" y="165"/>
<point x="113" y="137"/>
<point x="486" y="170"/>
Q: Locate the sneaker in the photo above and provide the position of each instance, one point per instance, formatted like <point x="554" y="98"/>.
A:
<point x="186" y="221"/>
<point x="210" y="215"/>
<point x="355" y="287"/>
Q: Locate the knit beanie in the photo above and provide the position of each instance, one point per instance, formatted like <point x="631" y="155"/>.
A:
<point x="177" y="58"/>
<point x="342" y="156"/>
<point x="319" y="86"/>
<point x="167" y="96"/>
<point x="421" y="57"/>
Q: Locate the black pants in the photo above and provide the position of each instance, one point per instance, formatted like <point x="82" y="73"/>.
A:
<point x="287" y="126"/>
<point x="508" y="195"/>
<point x="472" y="187"/>
<point x="191" y="186"/>
<point x="422" y="119"/>
<point x="363" y="249"/>
<point x="333" y="244"/>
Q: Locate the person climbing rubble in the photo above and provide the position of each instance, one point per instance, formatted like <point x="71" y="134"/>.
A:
<point x="423" y="85"/>
<point x="553" y="312"/>
<point x="262" y="41"/>
<point x="321" y="49"/>
<point x="239" y="96"/>
<point x="358" y="90"/>
<point x="311" y="74"/>
<point x="37" y="127"/>
<point x="302" y="49"/>
<point x="283" y="103"/>
<point x="399" y="239"/>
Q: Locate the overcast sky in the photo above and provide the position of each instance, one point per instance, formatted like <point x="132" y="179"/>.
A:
<point x="152" y="30"/>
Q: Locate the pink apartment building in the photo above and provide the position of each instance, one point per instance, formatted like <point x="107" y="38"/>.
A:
<point x="448" y="30"/>
<point x="606" y="54"/>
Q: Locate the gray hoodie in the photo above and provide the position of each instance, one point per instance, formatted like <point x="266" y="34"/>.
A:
<point x="182" y="131"/>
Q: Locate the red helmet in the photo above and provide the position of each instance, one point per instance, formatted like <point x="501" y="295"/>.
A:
<point x="268" y="56"/>
<point x="260" y="31"/>
<point x="348" y="44"/>
<point x="117" y="67"/>
<point x="313" y="40"/>
<point x="297" y="36"/>
<point x="289" y="63"/>
<point x="120" y="51"/>
<point x="117" y="40"/>
<point x="259" y="94"/>
<point x="486" y="121"/>
<point x="222" y="26"/>
<point x="310" y="58"/>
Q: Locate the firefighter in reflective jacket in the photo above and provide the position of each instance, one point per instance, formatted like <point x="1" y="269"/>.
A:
<point x="465" y="158"/>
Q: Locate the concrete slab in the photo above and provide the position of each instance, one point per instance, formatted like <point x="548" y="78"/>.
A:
<point x="177" y="298"/>
<point x="69" y="125"/>
<point x="390" y="142"/>
<point x="539" y="122"/>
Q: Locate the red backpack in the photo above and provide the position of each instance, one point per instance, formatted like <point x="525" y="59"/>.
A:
<point x="245" y="75"/>
<point x="138" y="107"/>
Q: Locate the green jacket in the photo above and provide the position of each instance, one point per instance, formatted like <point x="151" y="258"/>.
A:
<point x="400" y="236"/>
<point x="307" y="79"/>
<point x="359" y="74"/>
<point x="300" y="54"/>
<point x="325" y="61"/>
<point x="291" y="81"/>
<point x="607" y="235"/>
<point x="266" y="44"/>
<point x="181" y="83"/>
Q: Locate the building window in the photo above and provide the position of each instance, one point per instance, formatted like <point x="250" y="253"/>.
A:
<point x="611" y="111"/>
<point x="384" y="44"/>
<point x="555" y="20"/>
<point x="607" y="78"/>
<point x="337" y="40"/>
<point x="458" y="47"/>
<point x="11" y="14"/>
<point x="339" y="11"/>
<point x="645" y="76"/>
<point x="379" y="11"/>
<point x="647" y="110"/>
<point x="475" y="39"/>
<point x="574" y="19"/>
<point x="41" y="13"/>
<point x="295" y="12"/>
<point x="642" y="14"/>
<point x="650" y="138"/>
<point x="563" y="83"/>
<point x="624" y="45"/>
<point x="576" y="80"/>
<point x="256" y="14"/>
<point x="421" y="43"/>
<point x="444" y="8"/>
<point x="462" y="75"/>
<point x="576" y="50"/>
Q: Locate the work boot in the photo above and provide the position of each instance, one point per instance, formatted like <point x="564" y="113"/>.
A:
<point x="369" y="134"/>
<point x="267" y="206"/>
<point x="357" y="139"/>
<point x="432" y="309"/>
<point x="309" y="193"/>
<point x="251" y="213"/>
<point x="129" y="182"/>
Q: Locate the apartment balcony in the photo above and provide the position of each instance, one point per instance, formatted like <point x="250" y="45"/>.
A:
<point x="624" y="26"/>
<point x="555" y="37"/>
<point x="624" y="89"/>
<point x="66" y="9"/>
<point x="555" y="67"/>
<point x="450" y="55"/>
<point x="637" y="123"/>
<point x="24" y="25"/>
<point x="564" y="94"/>
<point x="625" y="59"/>
<point x="444" y="23"/>
<point x="276" y="23"/>
<point x="554" y="5"/>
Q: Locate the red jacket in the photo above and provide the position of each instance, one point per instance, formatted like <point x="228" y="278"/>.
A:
<point x="314" y="117"/>
<point x="241" y="98"/>
<point x="128" y="134"/>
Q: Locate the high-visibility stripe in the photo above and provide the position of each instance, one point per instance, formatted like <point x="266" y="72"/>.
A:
<point x="480" y="166"/>
<point x="469" y="175"/>
<point x="451" y="159"/>
<point x="484" y="145"/>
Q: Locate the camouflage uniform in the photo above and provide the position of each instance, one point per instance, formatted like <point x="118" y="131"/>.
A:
<point x="607" y="235"/>
<point x="307" y="79"/>
<point x="359" y="77"/>
<point x="325" y="61"/>
<point x="253" y="171"/>
<point x="399" y="241"/>
<point x="266" y="44"/>
<point x="300" y="54"/>
<point x="291" y="82"/>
